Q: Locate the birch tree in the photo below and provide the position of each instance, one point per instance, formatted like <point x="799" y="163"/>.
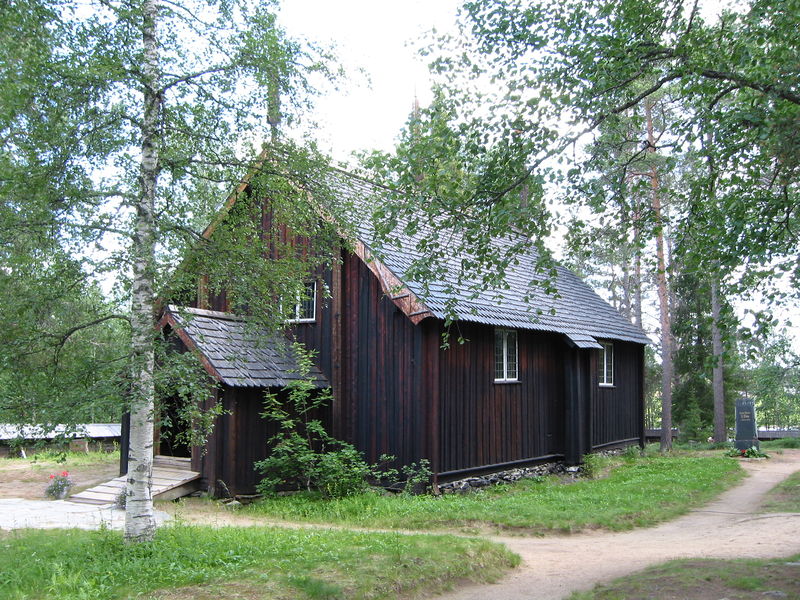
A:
<point x="138" y="117"/>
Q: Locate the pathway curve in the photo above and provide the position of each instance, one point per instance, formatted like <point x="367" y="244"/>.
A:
<point x="730" y="527"/>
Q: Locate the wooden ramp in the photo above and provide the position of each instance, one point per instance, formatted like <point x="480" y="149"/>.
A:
<point x="172" y="478"/>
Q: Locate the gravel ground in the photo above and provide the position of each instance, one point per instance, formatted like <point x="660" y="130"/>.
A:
<point x="19" y="513"/>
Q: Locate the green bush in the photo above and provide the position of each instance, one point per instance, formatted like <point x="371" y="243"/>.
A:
<point x="632" y="452"/>
<point x="593" y="465"/>
<point x="342" y="472"/>
<point x="305" y="456"/>
<point x="751" y="452"/>
<point x="314" y="462"/>
<point x="417" y="477"/>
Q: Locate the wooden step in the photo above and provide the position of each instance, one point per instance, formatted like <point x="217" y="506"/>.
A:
<point x="79" y="500"/>
<point x="173" y="462"/>
<point x="166" y="484"/>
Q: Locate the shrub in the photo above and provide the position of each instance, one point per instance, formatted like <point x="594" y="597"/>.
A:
<point x="335" y="471"/>
<point x="592" y="465"/>
<point x="417" y="477"/>
<point x="632" y="452"/>
<point x="751" y="452"/>
<point x="342" y="472"/>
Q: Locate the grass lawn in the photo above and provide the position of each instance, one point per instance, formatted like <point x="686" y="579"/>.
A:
<point x="246" y="563"/>
<point x="781" y="443"/>
<point x="784" y="497"/>
<point x="48" y="460"/>
<point x="705" y="580"/>
<point x="636" y="492"/>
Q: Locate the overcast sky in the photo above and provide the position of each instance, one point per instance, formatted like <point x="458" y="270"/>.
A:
<point x="379" y="37"/>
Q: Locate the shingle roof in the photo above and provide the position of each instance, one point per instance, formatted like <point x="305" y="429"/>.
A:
<point x="238" y="355"/>
<point x="576" y="310"/>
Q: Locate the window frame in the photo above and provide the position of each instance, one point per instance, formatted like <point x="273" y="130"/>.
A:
<point x="310" y="295"/>
<point x="602" y="365"/>
<point x="505" y="374"/>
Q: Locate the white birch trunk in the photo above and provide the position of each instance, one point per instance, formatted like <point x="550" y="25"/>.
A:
<point x="140" y="522"/>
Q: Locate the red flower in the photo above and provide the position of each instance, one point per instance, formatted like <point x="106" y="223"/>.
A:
<point x="52" y="476"/>
<point x="65" y="473"/>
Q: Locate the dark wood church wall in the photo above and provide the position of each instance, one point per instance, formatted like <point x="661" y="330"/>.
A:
<point x="488" y="423"/>
<point x="239" y="439"/>
<point x="616" y="411"/>
<point x="318" y="336"/>
<point x="384" y="404"/>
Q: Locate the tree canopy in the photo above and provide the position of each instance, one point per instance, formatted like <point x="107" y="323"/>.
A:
<point x="531" y="79"/>
<point x="674" y="124"/>
<point x="123" y="126"/>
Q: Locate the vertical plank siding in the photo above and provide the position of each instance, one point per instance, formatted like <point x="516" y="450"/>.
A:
<point x="487" y="423"/>
<point x="382" y="359"/>
<point x="383" y="396"/>
<point x="239" y="439"/>
<point x="616" y="412"/>
<point x="318" y="336"/>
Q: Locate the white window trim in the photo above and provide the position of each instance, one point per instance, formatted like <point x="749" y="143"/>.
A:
<point x="505" y="378"/>
<point x="299" y="304"/>
<point x="608" y="349"/>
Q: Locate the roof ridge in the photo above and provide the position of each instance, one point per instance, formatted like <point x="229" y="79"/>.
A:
<point x="203" y="312"/>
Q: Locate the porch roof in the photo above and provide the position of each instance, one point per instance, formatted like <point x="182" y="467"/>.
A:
<point x="235" y="352"/>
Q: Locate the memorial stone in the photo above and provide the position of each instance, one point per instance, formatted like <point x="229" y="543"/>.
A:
<point x="746" y="430"/>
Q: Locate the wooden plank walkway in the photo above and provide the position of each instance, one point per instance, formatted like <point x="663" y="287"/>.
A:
<point x="172" y="478"/>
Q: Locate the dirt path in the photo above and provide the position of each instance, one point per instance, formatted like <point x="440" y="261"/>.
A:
<point x="730" y="527"/>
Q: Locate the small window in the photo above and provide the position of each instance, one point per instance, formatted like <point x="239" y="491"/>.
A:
<point x="606" y="364"/>
<point x="305" y="309"/>
<point x="505" y="355"/>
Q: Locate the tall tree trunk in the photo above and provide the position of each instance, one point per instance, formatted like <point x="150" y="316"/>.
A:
<point x="627" y="284"/>
<point x="140" y="522"/>
<point x="616" y="302"/>
<point x="637" y="289"/>
<point x="663" y="295"/>
<point x="720" y="434"/>
<point x="717" y="373"/>
<point x="274" y="101"/>
<point x="672" y="294"/>
<point x="637" y="263"/>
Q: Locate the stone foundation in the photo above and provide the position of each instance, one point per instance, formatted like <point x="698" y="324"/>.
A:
<point x="463" y="486"/>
